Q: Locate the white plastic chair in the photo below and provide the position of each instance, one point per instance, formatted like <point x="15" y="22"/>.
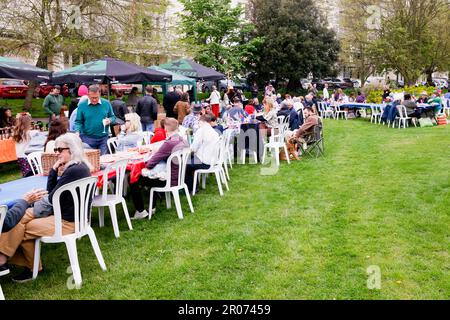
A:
<point x="216" y="168"/>
<point x="403" y="117"/>
<point x="179" y="157"/>
<point x="446" y="107"/>
<point x="228" y="159"/>
<point x="275" y="143"/>
<point x="3" y="210"/>
<point x="34" y="159"/>
<point x="111" y="200"/>
<point x="82" y="192"/>
<point x="112" y="144"/>
<point x="146" y="137"/>
<point x="281" y="119"/>
<point x="338" y="111"/>
<point x="375" y="116"/>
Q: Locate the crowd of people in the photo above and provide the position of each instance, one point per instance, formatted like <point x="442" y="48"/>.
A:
<point x="90" y="115"/>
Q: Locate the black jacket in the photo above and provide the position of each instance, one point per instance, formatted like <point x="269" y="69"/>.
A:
<point x="169" y="102"/>
<point x="14" y="215"/>
<point x="147" y="109"/>
<point x="72" y="173"/>
<point x="119" y="109"/>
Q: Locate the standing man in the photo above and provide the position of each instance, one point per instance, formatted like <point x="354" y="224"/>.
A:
<point x="94" y="115"/>
<point x="169" y="101"/>
<point x="119" y="109"/>
<point x="254" y="90"/>
<point x="52" y="103"/>
<point x="326" y="94"/>
<point x="147" y="109"/>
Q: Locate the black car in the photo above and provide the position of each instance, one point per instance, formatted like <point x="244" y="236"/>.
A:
<point x="348" y="82"/>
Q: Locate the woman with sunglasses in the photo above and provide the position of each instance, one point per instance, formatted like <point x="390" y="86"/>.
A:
<point x="129" y="135"/>
<point x="71" y="157"/>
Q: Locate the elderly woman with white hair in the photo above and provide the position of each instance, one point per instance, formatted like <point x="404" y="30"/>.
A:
<point x="129" y="135"/>
<point x="33" y="224"/>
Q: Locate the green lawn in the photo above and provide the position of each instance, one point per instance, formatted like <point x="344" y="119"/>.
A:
<point x="379" y="197"/>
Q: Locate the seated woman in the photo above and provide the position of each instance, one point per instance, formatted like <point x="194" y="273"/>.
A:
<point x="7" y="120"/>
<point x="57" y="129"/>
<point x="129" y="135"/>
<point x="18" y="243"/>
<point x="269" y="116"/>
<point x="22" y="135"/>
<point x="160" y="133"/>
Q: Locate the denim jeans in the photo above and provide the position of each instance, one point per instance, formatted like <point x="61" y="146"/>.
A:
<point x="96" y="143"/>
<point x="147" y="126"/>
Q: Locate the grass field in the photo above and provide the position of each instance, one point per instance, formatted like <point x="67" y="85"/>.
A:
<point x="379" y="197"/>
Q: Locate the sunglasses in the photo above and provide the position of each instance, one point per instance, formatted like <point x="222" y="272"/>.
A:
<point x="59" y="150"/>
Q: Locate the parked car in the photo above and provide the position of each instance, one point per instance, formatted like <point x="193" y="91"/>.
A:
<point x="348" y="82"/>
<point x="11" y="88"/>
<point x="44" y="89"/>
<point x="440" y="83"/>
<point x="223" y="85"/>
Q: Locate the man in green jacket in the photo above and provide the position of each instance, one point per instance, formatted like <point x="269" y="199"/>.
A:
<point x="52" y="103"/>
<point x="94" y="115"/>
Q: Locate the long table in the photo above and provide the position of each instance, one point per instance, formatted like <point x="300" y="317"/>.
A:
<point x="13" y="190"/>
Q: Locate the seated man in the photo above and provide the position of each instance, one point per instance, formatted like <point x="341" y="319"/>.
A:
<point x="306" y="131"/>
<point x="204" y="146"/>
<point x="288" y="110"/>
<point x="411" y="107"/>
<point x="173" y="143"/>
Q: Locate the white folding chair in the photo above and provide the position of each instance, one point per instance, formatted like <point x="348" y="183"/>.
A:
<point x="403" y="117"/>
<point x="82" y="192"/>
<point x="112" y="144"/>
<point x="338" y="111"/>
<point x="179" y="158"/>
<point x="216" y="168"/>
<point x="34" y="159"/>
<point x="228" y="160"/>
<point x="446" y="106"/>
<point x="375" y="116"/>
<point x="111" y="200"/>
<point x="276" y="142"/>
<point x="281" y="119"/>
<point x="3" y="210"/>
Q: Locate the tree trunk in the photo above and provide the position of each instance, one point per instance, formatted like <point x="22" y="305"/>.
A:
<point x="429" y="77"/>
<point x="41" y="63"/>
<point x="293" y="84"/>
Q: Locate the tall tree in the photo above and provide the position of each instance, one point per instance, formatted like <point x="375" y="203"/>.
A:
<point x="297" y="40"/>
<point x="359" y="23"/>
<point x="47" y="28"/>
<point x="216" y="34"/>
<point x="408" y="40"/>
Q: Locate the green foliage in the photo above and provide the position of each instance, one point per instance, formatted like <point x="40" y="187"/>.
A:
<point x="414" y="38"/>
<point x="297" y="41"/>
<point x="217" y="36"/>
<point x="374" y="94"/>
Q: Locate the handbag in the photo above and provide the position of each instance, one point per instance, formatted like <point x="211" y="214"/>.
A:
<point x="425" y="122"/>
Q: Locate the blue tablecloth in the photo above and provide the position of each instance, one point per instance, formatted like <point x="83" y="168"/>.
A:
<point x="11" y="191"/>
